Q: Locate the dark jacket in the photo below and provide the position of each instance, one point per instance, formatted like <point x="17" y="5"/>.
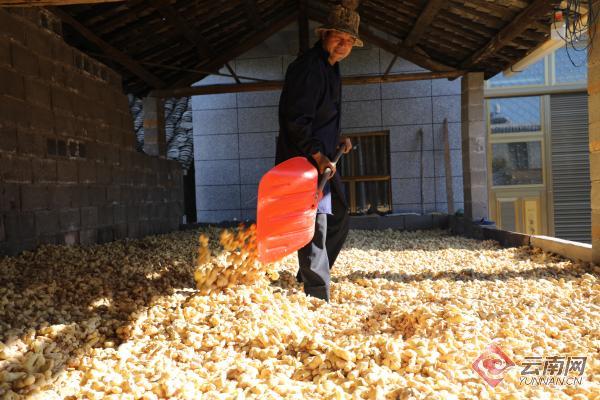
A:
<point x="310" y="112"/>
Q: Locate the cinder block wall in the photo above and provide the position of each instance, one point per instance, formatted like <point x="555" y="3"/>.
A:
<point x="69" y="172"/>
<point x="234" y="134"/>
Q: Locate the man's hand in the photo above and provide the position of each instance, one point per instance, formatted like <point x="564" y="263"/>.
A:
<point x="347" y="143"/>
<point x="323" y="163"/>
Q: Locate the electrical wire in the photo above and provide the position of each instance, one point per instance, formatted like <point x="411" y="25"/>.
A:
<point x="580" y="26"/>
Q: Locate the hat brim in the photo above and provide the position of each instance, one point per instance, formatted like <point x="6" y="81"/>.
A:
<point x="357" y="43"/>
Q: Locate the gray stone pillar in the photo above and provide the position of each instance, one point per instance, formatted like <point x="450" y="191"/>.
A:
<point x="594" y="132"/>
<point x="154" y="127"/>
<point x="474" y="146"/>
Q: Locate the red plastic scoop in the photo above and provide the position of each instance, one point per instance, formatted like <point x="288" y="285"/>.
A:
<point x="286" y="210"/>
<point x="288" y="197"/>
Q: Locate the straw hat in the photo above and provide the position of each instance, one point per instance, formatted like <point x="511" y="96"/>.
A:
<point x="343" y="18"/>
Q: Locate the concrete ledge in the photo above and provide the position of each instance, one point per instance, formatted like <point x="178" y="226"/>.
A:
<point x="409" y="222"/>
<point x="573" y="250"/>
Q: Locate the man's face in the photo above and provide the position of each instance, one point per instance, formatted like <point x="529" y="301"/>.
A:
<point x="338" y="45"/>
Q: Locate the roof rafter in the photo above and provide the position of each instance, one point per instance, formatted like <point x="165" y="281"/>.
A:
<point x="223" y="57"/>
<point x="44" y="3"/>
<point x="181" y="25"/>
<point x="511" y="31"/>
<point x="425" y="18"/>
<point x="116" y="54"/>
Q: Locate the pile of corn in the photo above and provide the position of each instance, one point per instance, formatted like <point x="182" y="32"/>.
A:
<point x="164" y="317"/>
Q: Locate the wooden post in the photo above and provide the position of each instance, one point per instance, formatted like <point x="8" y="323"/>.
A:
<point x="448" y="169"/>
<point x="154" y="127"/>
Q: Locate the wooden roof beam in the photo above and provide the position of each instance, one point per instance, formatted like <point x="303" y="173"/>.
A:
<point x="181" y="25"/>
<point x="425" y="18"/>
<point x="109" y="50"/>
<point x="303" y="34"/>
<point x="229" y="54"/>
<point x="255" y="21"/>
<point x="516" y="27"/>
<point x="44" y="3"/>
<point x="277" y="85"/>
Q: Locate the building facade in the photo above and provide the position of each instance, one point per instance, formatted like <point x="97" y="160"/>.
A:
<point x="398" y="166"/>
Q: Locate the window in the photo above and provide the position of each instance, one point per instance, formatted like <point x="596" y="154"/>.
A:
<point x="366" y="175"/>
<point x="532" y="75"/>
<point x="516" y="135"/>
<point x="517" y="163"/>
<point x="515" y="115"/>
<point x="565" y="71"/>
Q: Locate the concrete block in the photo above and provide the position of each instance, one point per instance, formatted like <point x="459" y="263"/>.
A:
<point x="86" y="171"/>
<point x="364" y="222"/>
<point x="403" y="90"/>
<point x="66" y="171"/>
<point x="211" y="198"/>
<point x="46" y="222"/>
<point x="218" y="172"/>
<point x="105" y="215"/>
<point x="89" y="217"/>
<point x="418" y="222"/>
<point x="9" y="138"/>
<point x="396" y="222"/>
<point x="361" y="92"/>
<point x="34" y="197"/>
<point x="257" y="145"/>
<point x="213" y="101"/>
<point x="407" y="111"/>
<point x="119" y="231"/>
<point x="37" y="92"/>
<point x="71" y="238"/>
<point x="44" y="170"/>
<point x="361" y="114"/>
<point x="444" y="87"/>
<point x="406" y="164"/>
<point x="216" y="147"/>
<point x="407" y="138"/>
<point x="70" y="219"/>
<point x="31" y="143"/>
<point x="258" y="119"/>
<point x="210" y="122"/>
<point x="14" y="110"/>
<point x="252" y="169"/>
<point x="24" y="60"/>
<point x="88" y="236"/>
<point x="10" y="197"/>
<point x="219" y="216"/>
<point x="446" y="107"/>
<point x="5" y="56"/>
<point x="12" y="83"/>
<point x="105" y="234"/>
<point x="258" y="99"/>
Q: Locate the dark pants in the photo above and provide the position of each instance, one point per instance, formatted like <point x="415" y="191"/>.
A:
<point x="317" y="257"/>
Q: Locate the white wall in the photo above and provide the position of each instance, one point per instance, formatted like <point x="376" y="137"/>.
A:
<point x="234" y="134"/>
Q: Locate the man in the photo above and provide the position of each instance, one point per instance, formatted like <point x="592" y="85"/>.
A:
<point x="309" y="120"/>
